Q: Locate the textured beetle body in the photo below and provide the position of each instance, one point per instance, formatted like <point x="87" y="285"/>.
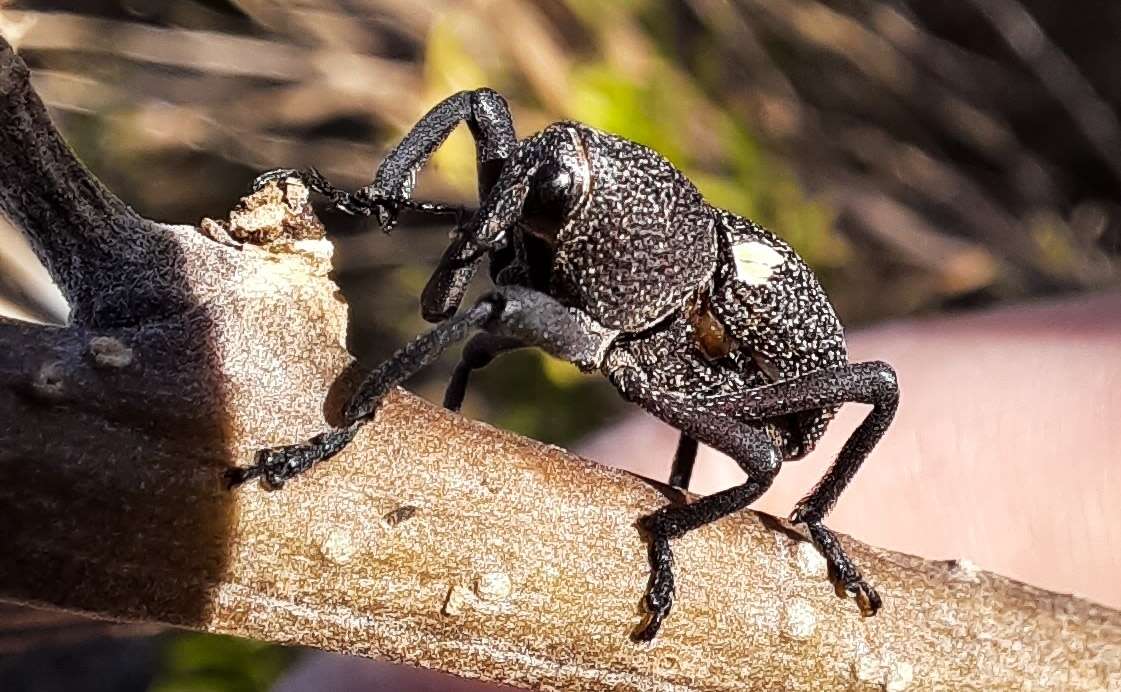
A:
<point x="777" y="315"/>
<point x="605" y="255"/>
<point x="639" y="240"/>
<point x="638" y="249"/>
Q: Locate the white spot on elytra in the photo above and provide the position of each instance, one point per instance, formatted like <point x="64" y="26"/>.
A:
<point x="810" y="561"/>
<point x="755" y="262"/>
<point x="798" y="619"/>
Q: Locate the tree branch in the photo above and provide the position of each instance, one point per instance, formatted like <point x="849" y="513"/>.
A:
<point x="432" y="540"/>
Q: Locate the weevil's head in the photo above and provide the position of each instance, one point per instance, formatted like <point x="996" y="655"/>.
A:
<point x="560" y="183"/>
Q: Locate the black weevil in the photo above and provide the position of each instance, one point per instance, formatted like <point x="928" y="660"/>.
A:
<point x="605" y="255"/>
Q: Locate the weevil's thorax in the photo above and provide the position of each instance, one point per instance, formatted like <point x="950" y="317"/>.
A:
<point x="637" y="238"/>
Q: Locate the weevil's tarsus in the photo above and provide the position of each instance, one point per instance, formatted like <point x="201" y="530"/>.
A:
<point x="842" y="571"/>
<point x="360" y="203"/>
<point x="277" y="464"/>
<point x="658" y="600"/>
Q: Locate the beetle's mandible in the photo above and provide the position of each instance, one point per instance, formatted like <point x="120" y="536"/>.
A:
<point x="604" y="254"/>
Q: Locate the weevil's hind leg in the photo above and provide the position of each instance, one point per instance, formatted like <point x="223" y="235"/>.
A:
<point x="866" y="383"/>
<point x="812" y="509"/>
<point x="709" y="420"/>
<point x="756" y="454"/>
<point x="477" y="353"/>
<point x="279" y="464"/>
<point x="683" y="460"/>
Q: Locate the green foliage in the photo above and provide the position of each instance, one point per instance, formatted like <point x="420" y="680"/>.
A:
<point x="210" y="663"/>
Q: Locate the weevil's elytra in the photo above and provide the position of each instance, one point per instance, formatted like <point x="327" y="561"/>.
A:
<point x="604" y="254"/>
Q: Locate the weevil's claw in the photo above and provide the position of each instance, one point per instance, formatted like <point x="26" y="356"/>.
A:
<point x="274" y="466"/>
<point x="649" y="627"/>
<point x="866" y="597"/>
<point x="387" y="211"/>
<point x="659" y="594"/>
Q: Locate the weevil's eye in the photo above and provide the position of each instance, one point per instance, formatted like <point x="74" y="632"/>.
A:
<point x="550" y="194"/>
<point x="552" y="182"/>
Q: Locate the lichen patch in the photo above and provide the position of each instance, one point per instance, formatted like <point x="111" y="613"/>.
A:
<point x="338" y="546"/>
<point x="964" y="570"/>
<point x="493" y="586"/>
<point x="799" y="620"/>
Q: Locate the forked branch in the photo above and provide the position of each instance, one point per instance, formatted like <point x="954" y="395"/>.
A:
<point x="431" y="540"/>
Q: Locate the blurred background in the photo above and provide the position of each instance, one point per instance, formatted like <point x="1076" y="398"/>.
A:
<point x="923" y="157"/>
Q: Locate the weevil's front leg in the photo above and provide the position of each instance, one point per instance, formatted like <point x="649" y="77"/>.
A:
<point x="357" y="204"/>
<point x="279" y="464"/>
<point x="511" y="312"/>
<point x="537" y="319"/>
<point x="487" y="116"/>
<point x="490" y="229"/>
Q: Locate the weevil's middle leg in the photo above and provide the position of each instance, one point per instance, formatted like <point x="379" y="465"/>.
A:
<point x="279" y="464"/>
<point x="683" y="460"/>
<point x="756" y="454"/>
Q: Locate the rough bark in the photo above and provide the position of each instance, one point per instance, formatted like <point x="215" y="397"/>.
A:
<point x="433" y="540"/>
